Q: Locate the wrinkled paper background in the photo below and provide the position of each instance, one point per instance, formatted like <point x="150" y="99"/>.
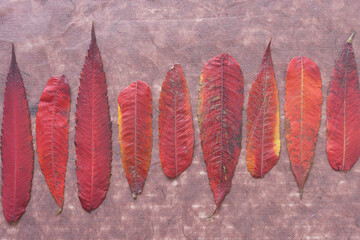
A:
<point x="141" y="40"/>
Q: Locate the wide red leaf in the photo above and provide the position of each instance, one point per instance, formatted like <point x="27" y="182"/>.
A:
<point x="303" y="99"/>
<point x="135" y="133"/>
<point x="93" y="131"/>
<point x="220" y="109"/>
<point x="263" y="121"/>
<point x="176" y="131"/>
<point x="52" y="134"/>
<point x="343" y="112"/>
<point x="16" y="146"/>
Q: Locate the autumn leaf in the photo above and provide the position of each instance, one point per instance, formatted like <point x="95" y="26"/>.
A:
<point x="176" y="131"/>
<point x="219" y="111"/>
<point x="93" y="131"/>
<point x="52" y="134"/>
<point x="343" y="112"/>
<point x="303" y="99"/>
<point x="135" y="133"/>
<point x="263" y="121"/>
<point x="16" y="146"/>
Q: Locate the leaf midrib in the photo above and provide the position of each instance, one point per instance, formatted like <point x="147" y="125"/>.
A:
<point x="344" y="116"/>
<point x="52" y="136"/>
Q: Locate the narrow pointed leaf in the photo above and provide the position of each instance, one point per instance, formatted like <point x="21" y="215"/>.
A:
<point x="263" y="121"/>
<point x="220" y="109"/>
<point x="176" y="131"/>
<point x="135" y="133"/>
<point x="343" y="112"/>
<point x="16" y="146"/>
<point x="93" y="131"/>
<point x="52" y="134"/>
<point x="303" y="99"/>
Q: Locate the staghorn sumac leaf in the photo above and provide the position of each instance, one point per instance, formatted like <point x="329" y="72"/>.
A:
<point x="16" y="146"/>
<point x="220" y="107"/>
<point x="263" y="121"/>
<point x="52" y="135"/>
<point x="135" y="133"/>
<point x="176" y="131"/>
<point x="93" y="131"/>
<point x="343" y="112"/>
<point x="303" y="99"/>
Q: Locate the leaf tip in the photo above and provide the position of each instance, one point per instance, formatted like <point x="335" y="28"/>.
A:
<point x="93" y="37"/>
<point x="216" y="209"/>
<point x="64" y="78"/>
<point x="268" y="47"/>
<point x="13" y="56"/>
<point x="351" y="37"/>
<point x="176" y="65"/>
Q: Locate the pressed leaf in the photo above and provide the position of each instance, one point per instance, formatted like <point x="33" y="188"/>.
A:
<point x="303" y="99"/>
<point x="135" y="133"/>
<point x="93" y="131"/>
<point x="219" y="111"/>
<point x="263" y="122"/>
<point x="343" y="112"/>
<point x="52" y="134"/>
<point x="176" y="131"/>
<point x="16" y="146"/>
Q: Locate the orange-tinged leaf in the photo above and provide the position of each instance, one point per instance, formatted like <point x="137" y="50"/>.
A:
<point x="219" y="111"/>
<point x="343" y="112"/>
<point x="303" y="99"/>
<point x="16" y="146"/>
<point x="176" y="131"/>
<point x="52" y="134"/>
<point x="263" y="122"/>
<point x="93" y="131"/>
<point x="135" y="133"/>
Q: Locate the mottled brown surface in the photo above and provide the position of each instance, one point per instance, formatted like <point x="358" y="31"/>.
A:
<point x="141" y="40"/>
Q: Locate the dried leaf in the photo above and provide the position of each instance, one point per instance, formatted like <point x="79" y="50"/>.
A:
<point x="16" y="146"/>
<point x="303" y="99"/>
<point x="176" y="131"/>
<point x="220" y="108"/>
<point x="263" y="121"/>
<point x="135" y="133"/>
<point x="93" y="131"/>
<point x="52" y="134"/>
<point x="343" y="112"/>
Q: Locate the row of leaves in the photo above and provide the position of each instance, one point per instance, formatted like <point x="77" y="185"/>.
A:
<point x="220" y="108"/>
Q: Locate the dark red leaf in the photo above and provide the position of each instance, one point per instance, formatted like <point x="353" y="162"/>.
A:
<point x="220" y="108"/>
<point x="343" y="112"/>
<point x="135" y="133"/>
<point x="16" y="143"/>
<point x="176" y="131"/>
<point x="303" y="99"/>
<point x="263" y="121"/>
<point x="52" y="134"/>
<point x="93" y="131"/>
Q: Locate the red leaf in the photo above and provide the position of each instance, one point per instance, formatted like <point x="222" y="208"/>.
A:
<point x="220" y="108"/>
<point x="303" y="99"/>
<point x="176" y="131"/>
<point x="343" y="112"/>
<point x="52" y="134"/>
<point x="135" y="133"/>
<point x="93" y="131"/>
<point x="17" y="148"/>
<point x="263" y="122"/>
